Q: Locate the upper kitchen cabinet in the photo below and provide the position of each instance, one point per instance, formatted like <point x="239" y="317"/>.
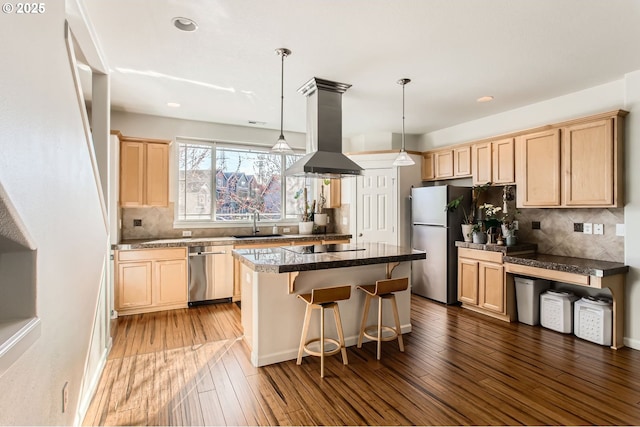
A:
<point x="591" y="164"/>
<point x="428" y="168"/>
<point x="576" y="164"/>
<point x="449" y="163"/>
<point x="462" y="161"/>
<point x="538" y="169"/>
<point x="144" y="172"/>
<point x="493" y="162"/>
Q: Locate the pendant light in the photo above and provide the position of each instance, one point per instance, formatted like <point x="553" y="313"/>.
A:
<point x="403" y="158"/>
<point x="281" y="145"/>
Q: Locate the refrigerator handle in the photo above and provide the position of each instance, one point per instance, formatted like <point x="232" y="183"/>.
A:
<point x="411" y="220"/>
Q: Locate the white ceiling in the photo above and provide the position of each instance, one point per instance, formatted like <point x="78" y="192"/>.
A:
<point x="455" y="51"/>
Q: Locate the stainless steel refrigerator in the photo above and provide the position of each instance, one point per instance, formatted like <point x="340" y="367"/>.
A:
<point x="435" y="231"/>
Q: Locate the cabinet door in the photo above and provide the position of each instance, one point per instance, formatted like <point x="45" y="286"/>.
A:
<point x="538" y="169"/>
<point x="481" y="163"/>
<point x="588" y="164"/>
<point x="462" y="161"/>
<point x="157" y="175"/>
<point x="503" y="171"/>
<point x="132" y="173"/>
<point x="428" y="167"/>
<point x="334" y="198"/>
<point x="491" y="287"/>
<point x="170" y="282"/>
<point x="468" y="281"/>
<point x="134" y="285"/>
<point x="444" y="164"/>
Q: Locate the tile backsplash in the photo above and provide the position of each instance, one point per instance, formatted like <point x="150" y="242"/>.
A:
<point x="157" y="223"/>
<point x="556" y="235"/>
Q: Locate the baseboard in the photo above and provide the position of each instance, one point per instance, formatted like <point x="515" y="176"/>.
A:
<point x="632" y="343"/>
<point x="85" y="401"/>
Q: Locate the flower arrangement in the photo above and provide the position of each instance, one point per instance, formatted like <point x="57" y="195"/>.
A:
<point x="491" y="219"/>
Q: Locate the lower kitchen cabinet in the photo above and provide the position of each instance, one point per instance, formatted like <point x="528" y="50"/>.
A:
<point x="481" y="284"/>
<point x="150" y="280"/>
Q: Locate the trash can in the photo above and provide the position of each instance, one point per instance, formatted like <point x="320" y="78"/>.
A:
<point x="528" y="298"/>
<point x="556" y="310"/>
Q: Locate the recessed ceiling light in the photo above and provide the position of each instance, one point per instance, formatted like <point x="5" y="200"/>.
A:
<point x="184" y="24"/>
<point x="173" y="104"/>
<point x="485" y="99"/>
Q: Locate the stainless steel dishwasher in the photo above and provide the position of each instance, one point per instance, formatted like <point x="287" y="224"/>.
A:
<point x="202" y="264"/>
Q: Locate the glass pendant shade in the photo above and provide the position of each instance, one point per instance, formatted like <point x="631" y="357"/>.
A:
<point x="281" y="145"/>
<point x="403" y="158"/>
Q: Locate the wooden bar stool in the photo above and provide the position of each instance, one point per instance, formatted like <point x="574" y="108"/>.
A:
<point x="382" y="290"/>
<point x="322" y="299"/>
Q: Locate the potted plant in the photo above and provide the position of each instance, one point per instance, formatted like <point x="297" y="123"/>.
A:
<point x="320" y="218"/>
<point x="467" y="218"/>
<point x="305" y="225"/>
<point x="491" y="221"/>
<point x="477" y="233"/>
<point x="509" y="228"/>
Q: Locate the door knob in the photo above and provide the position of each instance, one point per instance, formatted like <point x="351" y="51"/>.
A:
<point x="360" y="235"/>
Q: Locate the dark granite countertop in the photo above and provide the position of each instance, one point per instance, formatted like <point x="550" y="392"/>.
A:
<point x="228" y="240"/>
<point x="583" y="266"/>
<point x="280" y="260"/>
<point x="519" y="247"/>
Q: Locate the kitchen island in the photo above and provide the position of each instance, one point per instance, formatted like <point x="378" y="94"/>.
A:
<point x="271" y="278"/>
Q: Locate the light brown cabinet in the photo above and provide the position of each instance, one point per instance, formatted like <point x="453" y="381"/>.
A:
<point x="588" y="155"/>
<point x="576" y="164"/>
<point x="446" y="164"/>
<point x="428" y="168"/>
<point x="538" y="169"/>
<point x="443" y="161"/>
<point x="493" y="162"/>
<point x="150" y="280"/>
<point x="144" y="172"/>
<point x="462" y="161"/>
<point x="481" y="284"/>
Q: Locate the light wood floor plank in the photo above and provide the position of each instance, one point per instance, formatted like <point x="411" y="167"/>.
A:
<point x="185" y="367"/>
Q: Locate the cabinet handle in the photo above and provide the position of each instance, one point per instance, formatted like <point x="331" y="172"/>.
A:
<point x="208" y="253"/>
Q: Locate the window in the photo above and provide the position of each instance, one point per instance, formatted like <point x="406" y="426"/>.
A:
<point x="226" y="183"/>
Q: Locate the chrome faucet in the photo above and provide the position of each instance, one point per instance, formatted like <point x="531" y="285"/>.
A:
<point x="256" y="217"/>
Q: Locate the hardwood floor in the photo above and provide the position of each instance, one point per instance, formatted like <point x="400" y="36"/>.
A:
<point x="190" y="367"/>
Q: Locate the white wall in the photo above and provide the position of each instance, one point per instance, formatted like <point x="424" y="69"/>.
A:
<point x="598" y="99"/>
<point x="45" y="168"/>
<point x="632" y="208"/>
<point x="620" y="94"/>
<point x="145" y="126"/>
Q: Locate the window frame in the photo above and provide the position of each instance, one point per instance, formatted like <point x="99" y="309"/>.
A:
<point x="180" y="223"/>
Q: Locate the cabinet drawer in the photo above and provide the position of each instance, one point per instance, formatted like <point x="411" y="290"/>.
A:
<point x="480" y="255"/>
<point x="152" y="254"/>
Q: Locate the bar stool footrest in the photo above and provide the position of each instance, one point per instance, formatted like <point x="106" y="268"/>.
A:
<point x="371" y="332"/>
<point x="326" y="352"/>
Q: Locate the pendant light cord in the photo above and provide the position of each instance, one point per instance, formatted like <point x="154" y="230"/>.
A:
<point x="283" y="54"/>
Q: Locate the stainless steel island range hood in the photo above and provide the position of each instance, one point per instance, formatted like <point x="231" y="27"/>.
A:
<point x="324" y="156"/>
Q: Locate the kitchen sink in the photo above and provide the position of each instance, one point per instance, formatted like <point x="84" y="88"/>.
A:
<point x="255" y="236"/>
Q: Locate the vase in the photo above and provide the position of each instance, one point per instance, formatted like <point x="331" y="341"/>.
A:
<point x="305" y="227"/>
<point x="510" y="240"/>
<point x="466" y="232"/>
<point x="320" y="219"/>
<point x="479" y="237"/>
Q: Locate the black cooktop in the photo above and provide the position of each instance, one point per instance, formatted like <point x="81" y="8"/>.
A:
<point x="319" y="249"/>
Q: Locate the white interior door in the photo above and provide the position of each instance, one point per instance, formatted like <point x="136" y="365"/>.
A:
<point x="376" y="206"/>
